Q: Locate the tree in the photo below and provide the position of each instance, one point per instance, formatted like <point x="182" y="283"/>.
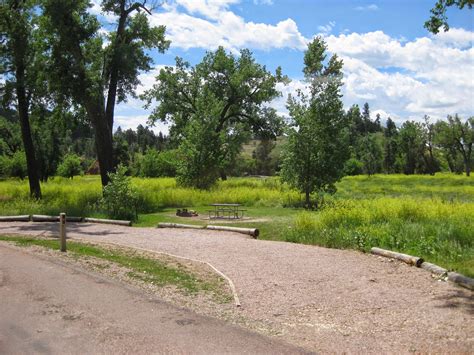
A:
<point x="94" y="74"/>
<point x="438" y="17"/>
<point x="371" y="154"/>
<point x="390" y="148"/>
<point x="213" y="108"/>
<point x="412" y="142"/>
<point x="459" y="136"/>
<point x="70" y="166"/>
<point x="317" y="139"/>
<point x="16" y="55"/>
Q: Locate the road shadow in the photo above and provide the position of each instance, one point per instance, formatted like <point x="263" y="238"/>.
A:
<point x="53" y="227"/>
<point x="462" y="300"/>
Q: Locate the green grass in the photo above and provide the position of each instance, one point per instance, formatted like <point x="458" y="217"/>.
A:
<point x="146" y="269"/>
<point x="431" y="216"/>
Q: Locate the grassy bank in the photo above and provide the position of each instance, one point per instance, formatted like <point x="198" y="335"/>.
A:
<point x="156" y="272"/>
<point x="430" y="216"/>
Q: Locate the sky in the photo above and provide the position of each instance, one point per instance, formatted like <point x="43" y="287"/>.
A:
<point x="390" y="60"/>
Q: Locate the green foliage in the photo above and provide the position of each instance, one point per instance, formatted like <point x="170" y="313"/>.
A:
<point x="70" y="166"/>
<point x="317" y="146"/>
<point x="119" y="199"/>
<point x="371" y="154"/>
<point x="439" y="18"/>
<point x="15" y="166"/>
<point x="437" y="230"/>
<point x="213" y="108"/>
<point x="158" y="164"/>
<point x="353" y="167"/>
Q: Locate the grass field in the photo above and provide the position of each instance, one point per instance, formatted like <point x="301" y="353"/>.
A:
<point x="430" y="216"/>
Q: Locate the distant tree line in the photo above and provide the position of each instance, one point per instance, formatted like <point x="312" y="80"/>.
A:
<point x="63" y="78"/>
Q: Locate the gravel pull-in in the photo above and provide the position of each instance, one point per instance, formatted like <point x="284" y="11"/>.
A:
<point x="325" y="300"/>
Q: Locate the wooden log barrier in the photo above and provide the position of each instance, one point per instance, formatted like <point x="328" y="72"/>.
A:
<point x="25" y="218"/>
<point x="43" y="218"/>
<point x="461" y="280"/>
<point x="74" y="219"/>
<point x="434" y="269"/>
<point x="412" y="260"/>
<point x="254" y="232"/>
<point x="108" y="221"/>
<point x="178" y="225"/>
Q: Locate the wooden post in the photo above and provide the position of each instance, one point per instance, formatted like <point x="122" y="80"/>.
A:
<point x="62" y="231"/>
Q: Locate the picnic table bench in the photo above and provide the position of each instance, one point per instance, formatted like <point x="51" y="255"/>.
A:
<point x="226" y="211"/>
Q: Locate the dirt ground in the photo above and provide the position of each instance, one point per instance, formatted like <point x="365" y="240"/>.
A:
<point x="325" y="300"/>
<point x="51" y="307"/>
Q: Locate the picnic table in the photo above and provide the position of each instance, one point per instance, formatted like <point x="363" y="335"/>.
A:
<point x="226" y="211"/>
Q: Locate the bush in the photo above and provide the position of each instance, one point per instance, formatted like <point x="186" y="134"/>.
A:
<point x="353" y="167"/>
<point x="70" y="166"/>
<point x="119" y="200"/>
<point x="16" y="165"/>
<point x="158" y="164"/>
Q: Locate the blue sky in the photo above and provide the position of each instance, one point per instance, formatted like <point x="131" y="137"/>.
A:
<point x="390" y="60"/>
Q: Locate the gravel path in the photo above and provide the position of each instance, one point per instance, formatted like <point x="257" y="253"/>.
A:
<point x="325" y="300"/>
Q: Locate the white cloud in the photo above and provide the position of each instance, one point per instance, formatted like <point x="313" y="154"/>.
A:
<point x="432" y="76"/>
<point x="371" y="7"/>
<point x="222" y="27"/>
<point x="326" y="29"/>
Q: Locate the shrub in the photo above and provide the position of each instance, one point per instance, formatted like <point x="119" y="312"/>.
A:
<point x="119" y="199"/>
<point x="158" y="164"/>
<point x="353" y="167"/>
<point x="16" y="166"/>
<point x="70" y="166"/>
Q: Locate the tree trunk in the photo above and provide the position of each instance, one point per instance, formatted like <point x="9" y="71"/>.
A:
<point x="32" y="166"/>
<point x="307" y="199"/>
<point x="103" y="141"/>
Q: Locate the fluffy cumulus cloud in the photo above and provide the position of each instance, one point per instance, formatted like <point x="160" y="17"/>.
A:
<point x="429" y="75"/>
<point x="208" y="24"/>
<point x="404" y="79"/>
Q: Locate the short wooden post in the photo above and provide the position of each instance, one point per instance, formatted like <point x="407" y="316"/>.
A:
<point x="62" y="231"/>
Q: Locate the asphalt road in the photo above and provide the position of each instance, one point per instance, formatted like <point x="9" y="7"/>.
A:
<point x="47" y="306"/>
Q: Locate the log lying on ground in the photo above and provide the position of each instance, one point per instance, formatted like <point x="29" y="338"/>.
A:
<point x="254" y="232"/>
<point x="461" y="280"/>
<point x="178" y="225"/>
<point x="108" y="221"/>
<point x="25" y="218"/>
<point x="43" y="218"/>
<point x="73" y="219"/>
<point x="412" y="260"/>
<point x="434" y="269"/>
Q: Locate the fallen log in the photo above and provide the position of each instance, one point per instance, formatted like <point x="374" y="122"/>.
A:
<point x="44" y="218"/>
<point x="412" y="260"/>
<point x="25" y="218"/>
<point x="434" y="269"/>
<point x="73" y="219"/>
<point x="461" y="280"/>
<point x="108" y="221"/>
<point x="254" y="232"/>
<point x="178" y="225"/>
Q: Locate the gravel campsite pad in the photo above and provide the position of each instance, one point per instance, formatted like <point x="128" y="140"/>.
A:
<point x="325" y="300"/>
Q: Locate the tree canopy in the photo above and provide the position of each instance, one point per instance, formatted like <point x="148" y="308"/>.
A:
<point x="213" y="108"/>
<point x="317" y="139"/>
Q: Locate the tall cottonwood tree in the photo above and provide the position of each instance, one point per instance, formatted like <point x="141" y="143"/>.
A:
<point x="17" y="54"/>
<point x="317" y="139"/>
<point x="458" y="136"/>
<point x="97" y="74"/>
<point x="213" y="108"/>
